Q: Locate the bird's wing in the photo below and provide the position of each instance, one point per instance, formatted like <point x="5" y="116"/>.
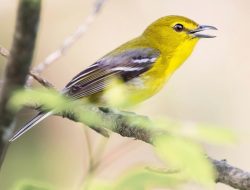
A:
<point x="126" y="66"/>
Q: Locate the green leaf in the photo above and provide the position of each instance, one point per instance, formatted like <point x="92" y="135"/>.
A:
<point x="178" y="148"/>
<point x="215" y="134"/>
<point x="207" y="133"/>
<point x="48" y="98"/>
<point x="139" y="179"/>
<point x="31" y="185"/>
<point x="186" y="156"/>
<point x="98" y="184"/>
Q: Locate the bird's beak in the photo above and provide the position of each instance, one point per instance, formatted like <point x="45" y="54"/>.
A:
<point x="197" y="32"/>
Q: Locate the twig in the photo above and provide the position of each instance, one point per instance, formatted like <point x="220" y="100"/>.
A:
<point x="89" y="150"/>
<point x="41" y="80"/>
<point x="17" y="69"/>
<point x="123" y="149"/>
<point x="4" y="52"/>
<point x="103" y="143"/>
<point x="18" y="65"/>
<point x="119" y="122"/>
<point x="68" y="42"/>
<point x="231" y="175"/>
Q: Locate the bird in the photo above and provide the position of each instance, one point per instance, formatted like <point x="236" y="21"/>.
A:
<point x="143" y="65"/>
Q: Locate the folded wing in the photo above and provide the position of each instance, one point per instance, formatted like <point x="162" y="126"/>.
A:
<point x="126" y="66"/>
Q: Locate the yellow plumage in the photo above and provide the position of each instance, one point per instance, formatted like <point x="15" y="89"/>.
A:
<point x="137" y="69"/>
<point x="174" y="49"/>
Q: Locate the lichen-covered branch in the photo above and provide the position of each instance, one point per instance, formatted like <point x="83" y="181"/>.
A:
<point x="122" y="123"/>
<point x="126" y="124"/>
<point x="129" y="124"/>
<point x="231" y="175"/>
<point x="18" y="64"/>
<point x="20" y="56"/>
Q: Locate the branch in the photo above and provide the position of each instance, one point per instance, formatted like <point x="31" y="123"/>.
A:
<point x="139" y="127"/>
<point x="120" y="122"/>
<point x="116" y="121"/>
<point x="69" y="41"/>
<point x="17" y="65"/>
<point x="42" y="81"/>
<point x="231" y="175"/>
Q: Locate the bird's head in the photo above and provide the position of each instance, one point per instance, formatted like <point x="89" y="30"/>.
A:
<point x="170" y="32"/>
<point x="175" y="37"/>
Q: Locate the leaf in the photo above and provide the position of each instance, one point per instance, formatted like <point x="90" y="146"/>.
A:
<point x="98" y="184"/>
<point x="48" y="98"/>
<point x="207" y="133"/>
<point x="139" y="179"/>
<point x="31" y="185"/>
<point x="116" y="93"/>
<point x="187" y="156"/>
<point x="215" y="134"/>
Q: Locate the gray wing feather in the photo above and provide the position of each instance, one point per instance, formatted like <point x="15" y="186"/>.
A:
<point x="126" y="65"/>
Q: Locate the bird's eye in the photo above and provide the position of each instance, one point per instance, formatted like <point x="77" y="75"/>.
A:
<point x="178" y="27"/>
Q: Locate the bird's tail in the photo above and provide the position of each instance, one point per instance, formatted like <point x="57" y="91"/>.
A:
<point x="38" y="118"/>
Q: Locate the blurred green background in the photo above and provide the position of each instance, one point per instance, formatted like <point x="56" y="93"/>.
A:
<point x="211" y="87"/>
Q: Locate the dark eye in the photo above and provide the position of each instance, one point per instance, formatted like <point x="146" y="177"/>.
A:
<point x="178" y="27"/>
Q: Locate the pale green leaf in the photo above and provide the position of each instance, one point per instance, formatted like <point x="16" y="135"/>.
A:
<point x="215" y="134"/>
<point x="32" y="185"/>
<point x="48" y="98"/>
<point x="186" y="156"/>
<point x="139" y="179"/>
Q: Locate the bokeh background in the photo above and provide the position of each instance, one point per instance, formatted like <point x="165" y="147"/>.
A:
<point x="211" y="87"/>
